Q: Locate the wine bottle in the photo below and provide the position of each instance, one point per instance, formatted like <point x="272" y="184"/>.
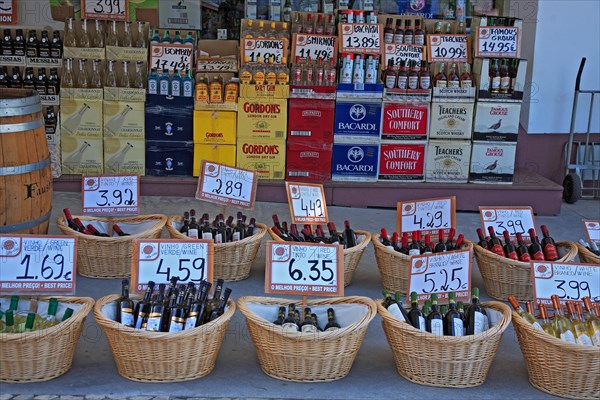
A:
<point x="593" y="321"/>
<point x="171" y="288"/>
<point x="207" y="232"/>
<point x="50" y="319"/>
<point x="10" y="322"/>
<point x="459" y="242"/>
<point x="289" y="323"/>
<point x="125" y="306"/>
<point x="435" y="320"/>
<point x="320" y="236"/>
<point x="510" y="250"/>
<point x="415" y="316"/>
<point x="396" y="241"/>
<point x="193" y="228"/>
<point x="384" y="239"/>
<point x="308" y="324"/>
<point x="545" y="321"/>
<point x="198" y="310"/>
<point x="95" y="231"/>
<point x="68" y="314"/>
<point x="119" y="231"/>
<point x="450" y="243"/>
<point x="176" y="312"/>
<point x="440" y="246"/>
<point x="548" y="245"/>
<point x="453" y="323"/>
<point x="295" y="235"/>
<point x="524" y="314"/>
<point x="143" y="307"/>
<point x="413" y="248"/>
<point x="220" y="309"/>
<point x="349" y="236"/>
<point x="316" y="322"/>
<point x="280" y="316"/>
<point x="477" y="320"/>
<point x="69" y="218"/>
<point x="214" y="302"/>
<point x="495" y="245"/>
<point x="334" y="236"/>
<point x="561" y="324"/>
<point x="460" y="307"/>
<point x="427" y="249"/>
<point x="239" y="233"/>
<point x="307" y="233"/>
<point x="30" y="322"/>
<point x="332" y="323"/>
<point x="404" y="248"/>
<point x="394" y="307"/>
<point x="251" y="226"/>
<point x="82" y="228"/>
<point x="522" y="251"/>
<point x="535" y="248"/>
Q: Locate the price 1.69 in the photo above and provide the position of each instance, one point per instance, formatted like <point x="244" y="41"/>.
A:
<point x="187" y="268"/>
<point x="51" y="267"/>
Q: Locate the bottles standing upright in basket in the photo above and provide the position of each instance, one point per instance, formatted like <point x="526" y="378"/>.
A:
<point x="220" y="230"/>
<point x="346" y="238"/>
<point x="125" y="306"/>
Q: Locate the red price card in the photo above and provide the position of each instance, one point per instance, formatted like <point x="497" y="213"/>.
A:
<point x="110" y="195"/>
<point x="307" y="203"/>
<point x="225" y="185"/>
<point x="117" y="10"/>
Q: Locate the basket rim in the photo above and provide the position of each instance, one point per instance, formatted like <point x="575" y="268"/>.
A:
<point x="380" y="247"/>
<point x="257" y="236"/>
<point x="480" y="251"/>
<point x="160" y="218"/>
<point x="586" y="252"/>
<point x="107" y="323"/>
<point x="264" y="324"/>
<point x="354" y="249"/>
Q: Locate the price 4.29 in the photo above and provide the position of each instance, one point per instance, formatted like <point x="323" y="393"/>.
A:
<point x="185" y="265"/>
<point x="432" y="221"/>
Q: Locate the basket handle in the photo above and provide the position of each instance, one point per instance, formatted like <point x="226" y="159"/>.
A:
<point x="578" y="80"/>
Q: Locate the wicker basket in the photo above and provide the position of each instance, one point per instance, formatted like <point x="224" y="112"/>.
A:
<point x="44" y="354"/>
<point x="145" y="356"/>
<point x="301" y="357"/>
<point x="586" y="256"/>
<point x="233" y="260"/>
<point x="557" y="367"/>
<point x="443" y="361"/>
<point x="110" y="257"/>
<point x="394" y="266"/>
<point x="351" y="256"/>
<point x="503" y="277"/>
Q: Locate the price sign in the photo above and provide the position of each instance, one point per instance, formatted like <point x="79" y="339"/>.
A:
<point x="592" y="228"/>
<point x="441" y="273"/>
<point x="501" y="42"/>
<point x="8" y="12"/>
<point x="307" y="203"/>
<point x="361" y="38"/>
<point x="117" y="10"/>
<point x="171" y="57"/>
<point x="110" y="195"/>
<point x="304" y="269"/>
<point x="454" y="48"/>
<point x="159" y="260"/>
<point x="264" y="48"/>
<point x="427" y="216"/>
<point x="226" y="185"/>
<point x="406" y="52"/>
<point x="37" y="264"/>
<point x="221" y="64"/>
<point x="512" y="219"/>
<point x="567" y="280"/>
<point x="314" y="46"/>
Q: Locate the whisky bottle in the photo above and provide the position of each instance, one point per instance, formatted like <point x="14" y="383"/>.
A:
<point x="453" y="80"/>
<point x="494" y="76"/>
<point x="398" y="32"/>
<point x="409" y="36"/>
<point x="31" y="47"/>
<point x="419" y="33"/>
<point x="504" y="77"/>
<point x="440" y="79"/>
<point x="466" y="79"/>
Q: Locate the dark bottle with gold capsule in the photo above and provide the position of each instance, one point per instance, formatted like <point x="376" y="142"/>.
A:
<point x="125" y="306"/>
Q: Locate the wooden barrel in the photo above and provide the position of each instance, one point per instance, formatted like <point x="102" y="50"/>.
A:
<point x="25" y="171"/>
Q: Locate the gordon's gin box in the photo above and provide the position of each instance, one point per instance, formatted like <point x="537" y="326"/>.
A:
<point x="355" y="162"/>
<point x="405" y="121"/>
<point x="357" y="119"/>
<point x="496" y="121"/>
<point x="448" y="161"/>
<point x="402" y="162"/>
<point x="493" y="162"/>
<point x="308" y="161"/>
<point x="311" y="119"/>
<point x="266" y="156"/>
<point x="262" y="119"/>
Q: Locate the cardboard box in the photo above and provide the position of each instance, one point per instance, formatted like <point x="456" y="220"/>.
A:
<point x="496" y="121"/>
<point x="175" y="14"/>
<point x="267" y="157"/>
<point x="451" y="120"/>
<point x="308" y="160"/>
<point x="262" y="119"/>
<point x="405" y="121"/>
<point x="218" y="56"/>
<point x="169" y="118"/>
<point x="218" y="127"/>
<point x="82" y="155"/>
<point x="55" y="160"/>
<point x="264" y="92"/>
<point x="481" y="72"/>
<point x="402" y="162"/>
<point x="137" y="95"/>
<point x="448" y="161"/>
<point x="124" y="120"/>
<point x="219" y="153"/>
<point x="359" y="119"/>
<point x="311" y="119"/>
<point x="166" y="158"/>
<point x="81" y="118"/>
<point x="493" y="162"/>
<point x="133" y="53"/>
<point x="355" y="162"/>
<point x="90" y="53"/>
<point x="124" y="156"/>
<point x="359" y="90"/>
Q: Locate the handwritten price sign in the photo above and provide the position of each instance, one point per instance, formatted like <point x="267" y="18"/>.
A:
<point x="514" y="220"/>
<point x="264" y="48"/>
<point x="441" y="273"/>
<point x="111" y="195"/>
<point x="307" y="203"/>
<point x="221" y="64"/>
<point x="161" y="259"/>
<point x="427" y="216"/>
<point x="406" y="52"/>
<point x="568" y="281"/>
<point x="454" y="48"/>
<point x="314" y="47"/>
<point x="40" y="264"/>
<point x="226" y="185"/>
<point x="592" y="228"/>
<point x="304" y="269"/>
<point x="501" y="42"/>
<point x="361" y="38"/>
<point x="171" y="57"/>
<point x="117" y="10"/>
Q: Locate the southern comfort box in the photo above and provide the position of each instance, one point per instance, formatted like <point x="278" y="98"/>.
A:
<point x="493" y="162"/>
<point x="451" y="120"/>
<point x="405" y="121"/>
<point x="402" y="162"/>
<point x="448" y="161"/>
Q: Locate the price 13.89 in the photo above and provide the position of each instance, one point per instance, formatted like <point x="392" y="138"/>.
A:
<point x="363" y="42"/>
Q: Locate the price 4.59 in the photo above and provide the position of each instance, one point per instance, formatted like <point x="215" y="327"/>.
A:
<point x="197" y="264"/>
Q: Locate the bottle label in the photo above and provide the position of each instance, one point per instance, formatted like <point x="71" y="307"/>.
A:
<point x="218" y="238"/>
<point x="332" y="328"/>
<point x="235" y="237"/>
<point x="425" y="81"/>
<point x="289" y="327"/>
<point x="525" y="257"/>
<point x="453" y="84"/>
<point x="193" y="233"/>
<point x="394" y="309"/>
<point x="550" y="252"/>
<point x="309" y="328"/>
<point x="467" y="83"/>
<point x="408" y="39"/>
<point x="420" y="39"/>
<point x="390" y="81"/>
<point x="538" y="256"/>
<point x="479" y="323"/>
<point x="437" y="327"/>
<point x="497" y="249"/>
<point x="568" y="337"/>
<point x="458" y="327"/>
<point x="346" y="76"/>
<point x="207" y="235"/>
<point x="388" y="37"/>
<point x="496" y="82"/>
<point x="283" y="78"/>
<point x="271" y="78"/>
<point x="152" y="86"/>
<point x="402" y="81"/>
<point x="537" y="326"/>
<point x="505" y="83"/>
<point x="513" y="255"/>
<point x="398" y="38"/>
<point x="441" y="83"/>
<point x="140" y="320"/>
<point x="190" y="322"/>
<point x="127" y="317"/>
<point x="153" y="324"/>
<point x="259" y="77"/>
<point x="422" y="325"/>
<point x="414" y="252"/>
<point x="371" y="76"/>
<point x="584" y="340"/>
<point x="176" y="326"/>
<point x="246" y="76"/>
<point x="188" y="89"/>
<point x="202" y="92"/>
<point x="413" y="82"/>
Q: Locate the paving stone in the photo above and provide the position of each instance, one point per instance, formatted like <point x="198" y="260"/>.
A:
<point x="46" y="397"/>
<point x="6" y="396"/>
<point x="95" y="397"/>
<point x="23" y="397"/>
<point x="70" y="397"/>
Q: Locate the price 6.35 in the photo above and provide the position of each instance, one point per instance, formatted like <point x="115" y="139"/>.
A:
<point x="573" y="290"/>
<point x="184" y="265"/>
<point x="318" y="270"/>
<point x="443" y="281"/>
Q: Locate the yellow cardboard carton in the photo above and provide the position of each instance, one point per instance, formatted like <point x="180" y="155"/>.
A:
<point x="124" y="156"/>
<point x="262" y="119"/>
<point x="81" y="118"/>
<point x="81" y="155"/>
<point x="217" y="127"/>
<point x="124" y="120"/>
<point x="267" y="157"/>
<point x="219" y="153"/>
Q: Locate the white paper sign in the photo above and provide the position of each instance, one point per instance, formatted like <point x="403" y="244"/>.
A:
<point x="110" y="195"/>
<point x="314" y="46"/>
<point x="171" y="57"/>
<point x="37" y="264"/>
<point x="105" y="9"/>
<point x="406" y="52"/>
<point x="592" y="228"/>
<point x="512" y="219"/>
<point x="361" y="38"/>
<point x="567" y="280"/>
<point x="226" y="185"/>
<point x="454" y="48"/>
<point x="501" y="42"/>
<point x="264" y="48"/>
<point x="427" y="216"/>
<point x="307" y="203"/>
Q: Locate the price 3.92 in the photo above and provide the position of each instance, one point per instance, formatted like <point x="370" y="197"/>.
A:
<point x="117" y="195"/>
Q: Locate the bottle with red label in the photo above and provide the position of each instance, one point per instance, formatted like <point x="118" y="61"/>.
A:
<point x="548" y="245"/>
<point x="390" y="75"/>
<point x="424" y="78"/>
<point x="535" y="248"/>
<point x="510" y="251"/>
<point x="482" y="240"/>
<point x="495" y="243"/>
<point x="522" y="251"/>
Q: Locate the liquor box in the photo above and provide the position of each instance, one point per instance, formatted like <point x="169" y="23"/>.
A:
<point x="402" y="162"/>
<point x="219" y="153"/>
<point x="126" y="94"/>
<point x="308" y="160"/>
<point x="55" y="160"/>
<point x="124" y="120"/>
<point x="481" y="72"/>
<point x="262" y="119"/>
<point x="448" y="161"/>
<point x="31" y="60"/>
<point x="358" y="119"/>
<point x="354" y="162"/>
<point x="169" y="157"/>
<point x="492" y="162"/>
<point x="81" y="118"/>
<point x="264" y="92"/>
<point x="169" y="118"/>
<point x="230" y="96"/>
<point x="124" y="156"/>
<point x="132" y="53"/>
<point x="497" y="121"/>
<point x="267" y="157"/>
<point x="311" y="119"/>
<point x="359" y="90"/>
<point x="82" y="155"/>
<point x="408" y="121"/>
<point x="176" y="14"/>
<point x="90" y="53"/>
<point x="451" y="120"/>
<point x="217" y="127"/>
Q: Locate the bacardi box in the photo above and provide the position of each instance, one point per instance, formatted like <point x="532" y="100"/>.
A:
<point x="81" y="155"/>
<point x="219" y="153"/>
<point x="452" y="120"/>
<point x="355" y="162"/>
<point x="408" y="121"/>
<point x="448" y="161"/>
<point x="166" y="158"/>
<point x="262" y="119"/>
<point x="358" y="119"/>
<point x="216" y="127"/>
<point x="81" y="118"/>
<point x="311" y="119"/>
<point x="169" y="118"/>
<point x="308" y="160"/>
<point x="497" y="121"/>
<point x="124" y="120"/>
<point x="124" y="156"/>
<point x="402" y="162"/>
<point x="493" y="162"/>
<point x="267" y="157"/>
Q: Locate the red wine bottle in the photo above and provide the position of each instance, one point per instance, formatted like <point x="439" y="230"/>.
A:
<point x="522" y="251"/>
<point x="385" y="240"/>
<point x="450" y="243"/>
<point x="251" y="226"/>
<point x="81" y="228"/>
<point x="495" y="243"/>
<point x="294" y="234"/>
<point x="548" y="245"/>
<point x="459" y="241"/>
<point x="308" y="235"/>
<point x="510" y="251"/>
<point x="69" y="218"/>
<point x="334" y="236"/>
<point x="413" y="248"/>
<point x="482" y="240"/>
<point x="276" y="222"/>
<point x="535" y="248"/>
<point x="186" y="223"/>
<point x="194" y="228"/>
<point x="427" y="249"/>
<point x="281" y="234"/>
<point x="440" y="247"/>
<point x="348" y="235"/>
<point x="404" y="248"/>
<point x="95" y="231"/>
<point x="320" y="236"/>
<point x="395" y="243"/>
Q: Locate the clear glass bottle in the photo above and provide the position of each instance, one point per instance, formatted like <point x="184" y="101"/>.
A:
<point x="110" y="78"/>
<point x="68" y="78"/>
<point x="138" y="77"/>
<point x="113" y="38"/>
<point x="127" y="35"/>
<point x="98" y="40"/>
<point x="70" y="39"/>
<point x="561" y="324"/>
<point x="84" y="38"/>
<point x="82" y="78"/>
<point x="96" y="78"/>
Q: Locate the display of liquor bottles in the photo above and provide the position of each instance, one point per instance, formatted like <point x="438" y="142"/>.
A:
<point x="30" y="46"/>
<point x="294" y="319"/>
<point x="347" y="237"/>
<point x="519" y="250"/>
<point x="502" y="75"/>
<point x="401" y="244"/>
<point x="220" y="230"/>
<point x="39" y="315"/>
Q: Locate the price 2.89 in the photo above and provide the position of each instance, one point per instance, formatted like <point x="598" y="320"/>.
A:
<point x="324" y="274"/>
<point x="48" y="269"/>
<point x="198" y="264"/>
<point x="118" y="197"/>
<point x="230" y="187"/>
<point x="444" y="281"/>
<point x="362" y="42"/>
<point x="576" y="290"/>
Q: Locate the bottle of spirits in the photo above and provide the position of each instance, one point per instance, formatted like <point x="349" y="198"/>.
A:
<point x="419" y="33"/>
<point x="143" y="307"/>
<point x="271" y="72"/>
<point x="390" y="76"/>
<point x="7" y="44"/>
<point x="494" y="76"/>
<point x="388" y="32"/>
<point x="504" y="77"/>
<point x="424" y="78"/>
<point x="258" y="73"/>
<point x="409" y="35"/>
<point x="19" y="43"/>
<point x="164" y="83"/>
<point x="283" y="73"/>
<point x="358" y="72"/>
<point x="440" y="79"/>
<point x="31" y="46"/>
<point x="125" y="306"/>
<point x="216" y="90"/>
<point x="477" y="320"/>
<point x="175" y="83"/>
<point x="435" y="319"/>
<point x="307" y="26"/>
<point x="466" y="79"/>
<point x="398" y="33"/>
<point x="453" y="80"/>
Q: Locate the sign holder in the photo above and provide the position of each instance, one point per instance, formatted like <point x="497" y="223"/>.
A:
<point x="570" y="281"/>
<point x="110" y="195"/>
<point x="592" y="230"/>
<point x="117" y="10"/>
<point x="434" y="214"/>
<point x="512" y="219"/>
<point x="305" y="199"/>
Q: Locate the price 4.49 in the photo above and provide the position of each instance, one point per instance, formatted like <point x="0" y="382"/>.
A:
<point x="312" y="208"/>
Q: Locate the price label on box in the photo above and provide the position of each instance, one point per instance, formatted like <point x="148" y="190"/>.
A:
<point x="569" y="281"/>
<point x="441" y="273"/>
<point x="221" y="64"/>
<point x="592" y="229"/>
<point x="427" y="216"/>
<point x="406" y="52"/>
<point x="306" y="269"/>
<point x="264" y="48"/>
<point x="110" y="195"/>
<point x="361" y="38"/>
<point x="161" y="259"/>
<point x="453" y="48"/>
<point x="307" y="203"/>
<point x="314" y="47"/>
<point x="222" y="184"/>
<point x="171" y="57"/>
<point x="500" y="42"/>
<point x="117" y="10"/>
<point x="37" y="264"/>
<point x="512" y="219"/>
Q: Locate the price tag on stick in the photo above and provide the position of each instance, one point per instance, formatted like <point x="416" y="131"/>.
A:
<point x="161" y="259"/>
<point x="361" y="38"/>
<point x="512" y="219"/>
<point x="222" y="184"/>
<point x="304" y="269"/>
<point x="500" y="42"/>
<point x="307" y="203"/>
<point x="427" y="216"/>
<point x="171" y="57"/>
<point x="405" y="52"/>
<point x="592" y="229"/>
<point x="37" y="264"/>
<point x="110" y="195"/>
<point x="117" y="10"/>
<point x="569" y="281"/>
<point x="453" y="48"/>
<point x="264" y="48"/>
<point x="314" y="47"/>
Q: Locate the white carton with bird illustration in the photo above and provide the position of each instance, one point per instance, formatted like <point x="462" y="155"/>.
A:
<point x="493" y="162"/>
<point x="497" y="121"/>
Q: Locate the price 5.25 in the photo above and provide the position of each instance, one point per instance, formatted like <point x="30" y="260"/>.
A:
<point x="318" y="270"/>
<point x="197" y="264"/>
<point x="444" y="281"/>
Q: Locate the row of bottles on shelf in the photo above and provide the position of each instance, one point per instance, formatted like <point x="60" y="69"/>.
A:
<point x="83" y="78"/>
<point x="346" y="238"/>
<point x="324" y="24"/>
<point x="31" y="47"/>
<point x="413" y="75"/>
<point x="220" y="230"/>
<point x="591" y="246"/>
<point x="50" y="120"/>
<point x="176" y="39"/>
<point x="265" y="73"/>
<point x="576" y="328"/>
<point x="43" y="84"/>
<point x="257" y="30"/>
<point x="179" y="84"/>
<point x="15" y="320"/>
<point x="536" y="251"/>
<point x="503" y="75"/>
<point x="354" y="69"/>
<point x="98" y="38"/>
<point x="172" y="309"/>
<point x="314" y="72"/>
<point x="78" y="226"/>
<point x="306" y="322"/>
<point x="406" y="35"/>
<point x="417" y="247"/>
